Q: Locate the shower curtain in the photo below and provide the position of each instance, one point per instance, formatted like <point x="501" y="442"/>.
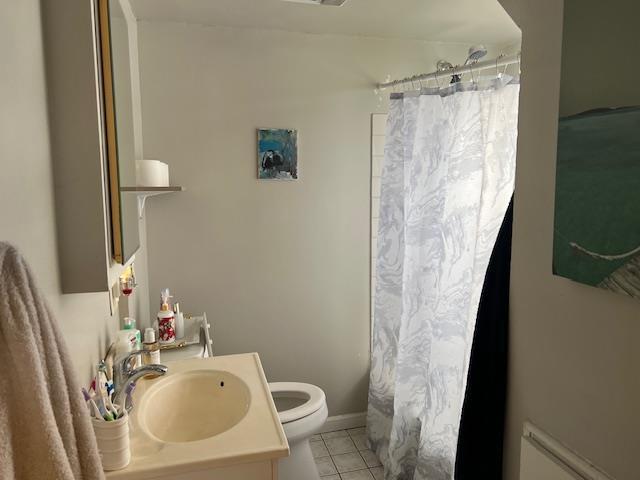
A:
<point x="447" y="180"/>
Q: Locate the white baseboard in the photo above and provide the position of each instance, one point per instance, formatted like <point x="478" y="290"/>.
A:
<point x="343" y="422"/>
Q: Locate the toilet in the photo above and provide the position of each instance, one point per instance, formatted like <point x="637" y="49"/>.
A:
<point x="302" y="409"/>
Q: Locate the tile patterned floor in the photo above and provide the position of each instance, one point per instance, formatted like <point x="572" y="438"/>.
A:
<point x="344" y="455"/>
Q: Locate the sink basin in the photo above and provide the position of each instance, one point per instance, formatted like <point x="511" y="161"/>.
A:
<point x="194" y="405"/>
<point x="207" y="417"/>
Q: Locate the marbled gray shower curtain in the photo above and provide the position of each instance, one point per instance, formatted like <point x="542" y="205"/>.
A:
<point x="447" y="180"/>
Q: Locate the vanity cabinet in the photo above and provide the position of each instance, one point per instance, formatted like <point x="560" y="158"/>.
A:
<point x="226" y="428"/>
<point x="266" y="470"/>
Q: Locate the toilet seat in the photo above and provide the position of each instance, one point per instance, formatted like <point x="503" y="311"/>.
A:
<point x="314" y="399"/>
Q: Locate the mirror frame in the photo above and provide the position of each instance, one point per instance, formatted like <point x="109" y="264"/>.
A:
<point x="108" y="100"/>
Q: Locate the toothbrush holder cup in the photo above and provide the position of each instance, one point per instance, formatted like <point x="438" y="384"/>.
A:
<point x="113" y="442"/>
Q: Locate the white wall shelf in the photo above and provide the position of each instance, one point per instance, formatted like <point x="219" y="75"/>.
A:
<point x="145" y="192"/>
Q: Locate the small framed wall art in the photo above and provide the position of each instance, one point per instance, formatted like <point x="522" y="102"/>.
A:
<point x="277" y="154"/>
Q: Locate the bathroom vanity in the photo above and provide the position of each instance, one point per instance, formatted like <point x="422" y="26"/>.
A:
<point x="210" y="419"/>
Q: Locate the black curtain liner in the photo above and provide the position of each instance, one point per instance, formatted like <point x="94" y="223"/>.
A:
<point x="480" y="442"/>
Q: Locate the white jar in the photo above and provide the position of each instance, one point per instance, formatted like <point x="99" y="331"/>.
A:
<point x="113" y="442"/>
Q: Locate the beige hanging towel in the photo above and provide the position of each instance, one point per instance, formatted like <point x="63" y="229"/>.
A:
<point x="45" y="430"/>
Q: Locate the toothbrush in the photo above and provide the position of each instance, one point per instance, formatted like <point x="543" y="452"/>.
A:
<point x="106" y="401"/>
<point x="96" y="411"/>
<point x="103" y="409"/>
<point x="101" y="390"/>
<point x="107" y="393"/>
<point x="128" y="402"/>
<point x="101" y="379"/>
<point x="111" y="406"/>
<point x="124" y="398"/>
<point x="87" y="398"/>
<point x="107" y="414"/>
<point x="92" y="404"/>
<point x="100" y="387"/>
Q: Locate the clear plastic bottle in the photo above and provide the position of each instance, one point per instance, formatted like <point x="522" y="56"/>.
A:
<point x="179" y="320"/>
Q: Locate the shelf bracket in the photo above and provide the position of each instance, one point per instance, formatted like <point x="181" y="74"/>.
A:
<point x="142" y="200"/>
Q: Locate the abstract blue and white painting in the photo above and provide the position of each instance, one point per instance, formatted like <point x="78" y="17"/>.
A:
<point x="277" y="154"/>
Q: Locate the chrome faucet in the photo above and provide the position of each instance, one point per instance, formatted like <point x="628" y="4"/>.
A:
<point x="124" y="375"/>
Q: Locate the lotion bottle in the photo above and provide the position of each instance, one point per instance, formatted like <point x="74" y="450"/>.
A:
<point x="130" y="325"/>
<point x="166" y="320"/>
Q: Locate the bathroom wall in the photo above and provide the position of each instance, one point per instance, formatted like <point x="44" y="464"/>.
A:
<point x="280" y="268"/>
<point x="574" y="359"/>
<point x="584" y="87"/>
<point x="27" y="216"/>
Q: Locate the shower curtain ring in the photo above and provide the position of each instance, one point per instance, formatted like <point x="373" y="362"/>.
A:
<point x="497" y="60"/>
<point x="519" y="63"/>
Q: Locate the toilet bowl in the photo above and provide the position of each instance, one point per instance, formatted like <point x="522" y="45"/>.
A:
<point x="302" y="409"/>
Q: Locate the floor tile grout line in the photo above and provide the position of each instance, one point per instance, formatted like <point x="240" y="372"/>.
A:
<point x="348" y="435"/>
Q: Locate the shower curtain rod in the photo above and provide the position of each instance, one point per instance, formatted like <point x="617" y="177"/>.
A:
<point x="501" y="61"/>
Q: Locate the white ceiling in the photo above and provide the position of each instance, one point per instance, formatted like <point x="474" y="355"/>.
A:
<point x="468" y="21"/>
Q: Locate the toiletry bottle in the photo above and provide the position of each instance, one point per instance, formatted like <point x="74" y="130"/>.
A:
<point x="179" y="320"/>
<point x="130" y="324"/>
<point x="166" y="320"/>
<point x="151" y="347"/>
<point x="136" y="340"/>
<point x="124" y="343"/>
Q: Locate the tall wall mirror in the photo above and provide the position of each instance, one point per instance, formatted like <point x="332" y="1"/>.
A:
<point x="119" y="125"/>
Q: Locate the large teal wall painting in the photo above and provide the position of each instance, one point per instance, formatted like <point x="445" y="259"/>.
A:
<point x="597" y="200"/>
<point x="597" y="219"/>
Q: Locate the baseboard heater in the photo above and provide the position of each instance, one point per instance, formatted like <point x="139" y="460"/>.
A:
<point x="544" y="458"/>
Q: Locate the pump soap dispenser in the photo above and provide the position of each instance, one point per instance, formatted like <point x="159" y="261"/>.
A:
<point x="166" y="320"/>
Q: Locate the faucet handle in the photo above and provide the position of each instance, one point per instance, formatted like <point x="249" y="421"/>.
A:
<point x="151" y="370"/>
<point x="124" y="361"/>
